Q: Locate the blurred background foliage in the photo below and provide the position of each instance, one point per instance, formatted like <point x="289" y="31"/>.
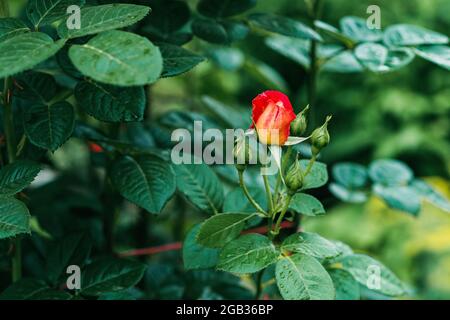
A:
<point x="402" y="114"/>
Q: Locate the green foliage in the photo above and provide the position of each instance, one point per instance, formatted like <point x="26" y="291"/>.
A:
<point x="310" y="244"/>
<point x="248" y="254"/>
<point x="119" y="58"/>
<point x="44" y="12"/>
<point x="301" y="277"/>
<point x="49" y="126"/>
<point x="306" y="204"/>
<point x="195" y="255"/>
<point x="146" y="180"/>
<point x="14" y="217"/>
<point x="17" y="176"/>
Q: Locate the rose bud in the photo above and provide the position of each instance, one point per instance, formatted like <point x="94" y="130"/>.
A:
<point x="242" y="153"/>
<point x="320" y="137"/>
<point x="272" y="115"/>
<point x="298" y="126"/>
<point x="294" y="177"/>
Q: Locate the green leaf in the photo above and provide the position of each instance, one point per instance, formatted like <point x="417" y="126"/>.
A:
<point x="310" y="244"/>
<point x="349" y="174"/>
<point x="224" y="8"/>
<point x="301" y="277"/>
<point x="96" y="19"/>
<point x="347" y="195"/>
<point x="120" y="295"/>
<point x="10" y="27"/>
<point x="196" y="256"/>
<point x="265" y="74"/>
<point x="14" y="217"/>
<point x="220" y="229"/>
<point x="110" y="275"/>
<point x="282" y="25"/>
<point x="17" y="176"/>
<point x="166" y="19"/>
<point x="410" y="35"/>
<point x="146" y="180"/>
<point x="306" y="204"/>
<point x="36" y="86"/>
<point x="49" y="126"/>
<point x="390" y="172"/>
<point x="177" y="60"/>
<point x="372" y="55"/>
<point x="236" y="201"/>
<point x="200" y="185"/>
<point x="295" y="49"/>
<point x="110" y="103"/>
<point x="220" y="32"/>
<point x="36" y="46"/>
<point x="228" y="58"/>
<point x="347" y="288"/>
<point x="361" y="267"/>
<point x="248" y="254"/>
<point x="71" y="250"/>
<point x="33" y="289"/>
<point x="439" y="55"/>
<point x="334" y="33"/>
<point x="398" y="58"/>
<point x="356" y="28"/>
<point x="402" y="198"/>
<point x="119" y="58"/>
<point x="344" y="62"/>
<point x="317" y="177"/>
<point x="232" y="116"/>
<point x="430" y="194"/>
<point x="45" y="12"/>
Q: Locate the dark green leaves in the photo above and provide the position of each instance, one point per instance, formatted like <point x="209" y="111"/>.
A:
<point x="36" y="46"/>
<point x="14" y="217"/>
<point x="145" y="180"/>
<point x="216" y="231"/>
<point x="110" y="275"/>
<point x="44" y="12"/>
<point x="111" y="103"/>
<point x="17" y="176"/>
<point x="71" y="250"/>
<point x="410" y="35"/>
<point x="390" y="172"/>
<point x="364" y="269"/>
<point x="220" y="32"/>
<point x="200" y="185"/>
<point x="36" y="86"/>
<point x="96" y="19"/>
<point x="177" y="60"/>
<point x="248" y="254"/>
<point x="224" y="8"/>
<point x="306" y="204"/>
<point x="49" y="126"/>
<point x="10" y="27"/>
<point x="32" y="289"/>
<point x="284" y="26"/>
<point x="195" y="255"/>
<point x="300" y="277"/>
<point x="119" y="58"/>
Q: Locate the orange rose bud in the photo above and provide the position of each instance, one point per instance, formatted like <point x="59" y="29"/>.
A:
<point x="272" y="115"/>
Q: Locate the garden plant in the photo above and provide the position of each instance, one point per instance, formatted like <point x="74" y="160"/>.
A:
<point x="89" y="191"/>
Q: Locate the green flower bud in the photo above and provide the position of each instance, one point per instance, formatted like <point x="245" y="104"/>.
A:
<point x="294" y="177"/>
<point x="242" y="153"/>
<point x="298" y="126"/>
<point x="320" y="137"/>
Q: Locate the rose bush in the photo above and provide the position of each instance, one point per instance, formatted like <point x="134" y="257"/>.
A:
<point x="86" y="178"/>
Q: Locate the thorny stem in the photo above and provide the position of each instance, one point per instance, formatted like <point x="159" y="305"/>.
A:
<point x="247" y="194"/>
